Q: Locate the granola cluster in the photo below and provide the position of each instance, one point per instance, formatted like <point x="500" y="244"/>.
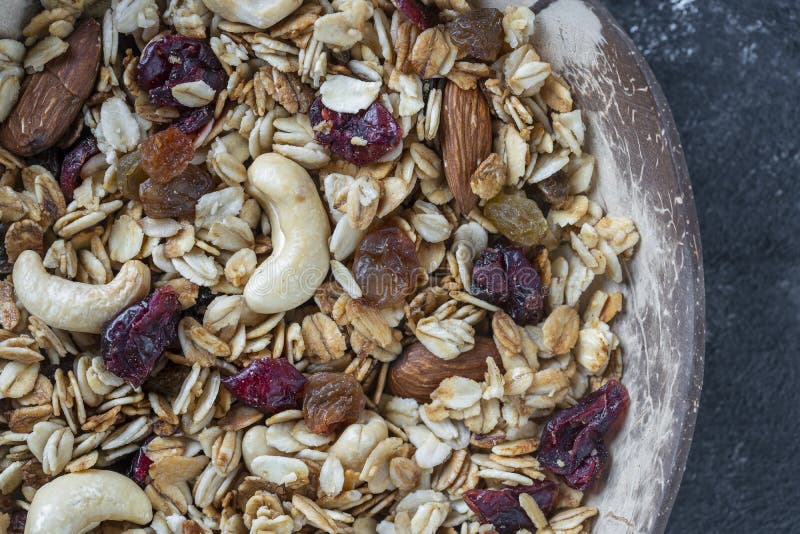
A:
<point x="411" y="403"/>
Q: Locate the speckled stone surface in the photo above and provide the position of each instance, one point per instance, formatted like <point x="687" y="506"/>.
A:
<point x="731" y="72"/>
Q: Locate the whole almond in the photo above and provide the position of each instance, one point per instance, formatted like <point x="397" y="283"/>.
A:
<point x="417" y="372"/>
<point x="466" y="140"/>
<point x="51" y="99"/>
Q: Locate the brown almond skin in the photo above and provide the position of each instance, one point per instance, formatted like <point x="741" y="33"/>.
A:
<point x="466" y="140"/>
<point x="417" y="372"/>
<point x="50" y="100"/>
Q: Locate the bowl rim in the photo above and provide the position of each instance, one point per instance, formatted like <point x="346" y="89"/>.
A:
<point x="687" y="213"/>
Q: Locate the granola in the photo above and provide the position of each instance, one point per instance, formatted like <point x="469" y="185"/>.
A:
<point x="311" y="127"/>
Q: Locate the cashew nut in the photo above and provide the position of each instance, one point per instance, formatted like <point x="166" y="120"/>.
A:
<point x="76" y="306"/>
<point x="258" y="13"/>
<point x="78" y="502"/>
<point x="300" y="230"/>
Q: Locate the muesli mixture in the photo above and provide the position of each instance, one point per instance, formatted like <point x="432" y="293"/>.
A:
<point x="277" y="266"/>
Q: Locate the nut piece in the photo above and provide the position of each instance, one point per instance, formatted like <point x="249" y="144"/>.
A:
<point x="51" y="99"/>
<point x="466" y="140"/>
<point x="76" y="306"/>
<point x="300" y="230"/>
<point x="418" y="372"/>
<point x="78" y="502"/>
<point x="258" y="13"/>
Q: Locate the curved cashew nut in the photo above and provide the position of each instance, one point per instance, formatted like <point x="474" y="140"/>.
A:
<point x="258" y="13"/>
<point x="78" y="502"/>
<point x="77" y="306"/>
<point x="300" y="259"/>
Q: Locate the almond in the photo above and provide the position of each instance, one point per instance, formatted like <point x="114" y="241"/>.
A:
<point x="50" y="100"/>
<point x="466" y="140"/>
<point x="418" y="371"/>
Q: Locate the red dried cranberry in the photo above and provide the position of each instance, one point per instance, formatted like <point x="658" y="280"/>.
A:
<point x="504" y="277"/>
<point x="71" y="166"/>
<point x="572" y="442"/>
<point x="194" y="119"/>
<point x="270" y="385"/>
<point x="420" y="16"/>
<point x="374" y="125"/>
<point x="139" y="471"/>
<point x="134" y="339"/>
<point x="501" y="507"/>
<point x="169" y="60"/>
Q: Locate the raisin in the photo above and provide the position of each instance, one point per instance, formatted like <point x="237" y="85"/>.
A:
<point x="270" y="385"/>
<point x="18" y="520"/>
<point x="130" y="174"/>
<point x="169" y="380"/>
<point x="51" y="159"/>
<point x="572" y="442"/>
<point x="169" y="60"/>
<point x="376" y="129"/>
<point x="70" y="176"/>
<point x="478" y="33"/>
<point x="139" y="470"/>
<point x="553" y="189"/>
<point x="133" y="341"/>
<point x="331" y="401"/>
<point x="176" y="198"/>
<point x="501" y="507"/>
<point x="420" y="15"/>
<point x="503" y="276"/>
<point x="516" y="217"/>
<point x="166" y="154"/>
<point x="6" y="267"/>
<point x="386" y="266"/>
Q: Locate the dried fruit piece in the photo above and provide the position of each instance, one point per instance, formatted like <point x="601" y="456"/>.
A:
<point x="6" y="267"/>
<point x="133" y="341"/>
<point x="554" y="189"/>
<point x="176" y="198"/>
<point x="130" y="174"/>
<point x="194" y="119"/>
<point x="572" y="442"/>
<point x="18" y="520"/>
<point x="139" y="471"/>
<point x="421" y="16"/>
<point x="169" y="60"/>
<point x="168" y="380"/>
<point x="70" y="176"/>
<point x="166" y="154"/>
<point x="501" y="507"/>
<point x="517" y="217"/>
<point x="386" y="266"/>
<point x="270" y="385"/>
<point x="503" y="276"/>
<point x="360" y="138"/>
<point x="331" y="401"/>
<point x="478" y="33"/>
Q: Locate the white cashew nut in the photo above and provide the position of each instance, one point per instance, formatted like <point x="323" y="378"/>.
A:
<point x="258" y="13"/>
<point x="300" y="230"/>
<point x="78" y="502"/>
<point x="76" y="306"/>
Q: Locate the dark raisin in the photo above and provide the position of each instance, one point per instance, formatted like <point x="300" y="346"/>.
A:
<point x="18" y="520"/>
<point x="70" y="176"/>
<point x="50" y="159"/>
<point x="386" y="266"/>
<point x="501" y="507"/>
<point x="176" y="198"/>
<point x="478" y="33"/>
<point x="168" y="381"/>
<point x="572" y="442"/>
<point x="377" y="130"/>
<point x="331" y="401"/>
<point x="270" y="385"/>
<point x="504" y="276"/>
<point x="169" y="60"/>
<point x="6" y="267"/>
<point x="554" y="189"/>
<point x="133" y="341"/>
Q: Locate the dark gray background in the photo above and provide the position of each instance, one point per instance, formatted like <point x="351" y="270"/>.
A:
<point x="731" y="72"/>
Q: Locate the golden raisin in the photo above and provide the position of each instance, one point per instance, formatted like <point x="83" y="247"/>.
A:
<point x="517" y="217"/>
<point x="331" y="401"/>
<point x="166" y="154"/>
<point x="176" y="198"/>
<point x="386" y="266"/>
<point x="130" y="174"/>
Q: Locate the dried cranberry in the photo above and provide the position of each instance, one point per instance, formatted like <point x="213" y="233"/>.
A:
<point x="421" y="16"/>
<point x="169" y="60"/>
<point x="478" y="33"/>
<point x="139" y="471"/>
<point x="572" y="442"/>
<point x="270" y="385"/>
<point x="71" y="166"/>
<point x="504" y="277"/>
<point x="501" y="507"/>
<point x="374" y="126"/>
<point x="132" y="342"/>
<point x="194" y="119"/>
